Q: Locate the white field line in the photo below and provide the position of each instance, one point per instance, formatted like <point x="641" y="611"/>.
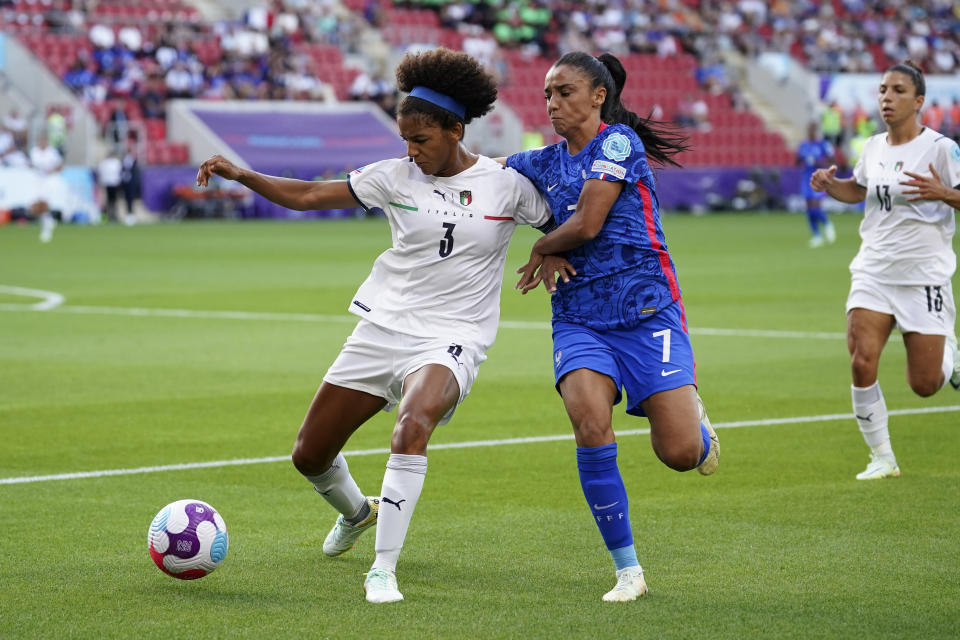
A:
<point x="449" y="445"/>
<point x="50" y="299"/>
<point x="51" y="304"/>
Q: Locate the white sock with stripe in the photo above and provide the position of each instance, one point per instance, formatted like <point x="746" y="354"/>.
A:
<point x="402" y="484"/>
<point x="338" y="487"/>
<point x="870" y="409"/>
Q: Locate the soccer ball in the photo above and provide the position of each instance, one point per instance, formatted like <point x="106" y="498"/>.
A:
<point x="187" y="539"/>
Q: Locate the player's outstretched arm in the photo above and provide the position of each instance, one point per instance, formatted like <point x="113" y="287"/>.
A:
<point x="842" y="189"/>
<point x="300" y="195"/>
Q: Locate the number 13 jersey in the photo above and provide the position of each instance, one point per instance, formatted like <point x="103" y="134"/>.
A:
<point x="906" y="243"/>
<point x="442" y="276"/>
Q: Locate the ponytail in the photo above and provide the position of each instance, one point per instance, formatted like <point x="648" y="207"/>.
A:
<point x="662" y="141"/>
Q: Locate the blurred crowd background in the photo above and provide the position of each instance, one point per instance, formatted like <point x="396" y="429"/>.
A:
<point x="712" y="68"/>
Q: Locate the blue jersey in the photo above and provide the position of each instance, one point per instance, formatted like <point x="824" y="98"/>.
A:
<point x="813" y="154"/>
<point x="625" y="273"/>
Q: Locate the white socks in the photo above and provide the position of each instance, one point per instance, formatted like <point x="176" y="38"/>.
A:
<point x="402" y="484"/>
<point x="871" y="411"/>
<point x="948" y="362"/>
<point x="338" y="487"/>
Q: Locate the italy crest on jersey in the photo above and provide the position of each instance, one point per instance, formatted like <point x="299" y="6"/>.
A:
<point x="466" y="197"/>
<point x="616" y="147"/>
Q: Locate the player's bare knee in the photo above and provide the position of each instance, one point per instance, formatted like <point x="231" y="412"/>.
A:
<point x="925" y="387"/>
<point x="593" y="433"/>
<point x="679" y="456"/>
<point x="309" y="461"/>
<point x="863" y="367"/>
<point x="411" y="433"/>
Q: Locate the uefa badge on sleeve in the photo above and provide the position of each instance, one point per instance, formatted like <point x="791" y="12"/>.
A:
<point x="616" y="147"/>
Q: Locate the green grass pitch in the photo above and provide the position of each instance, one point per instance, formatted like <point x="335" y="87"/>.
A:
<point x="781" y="543"/>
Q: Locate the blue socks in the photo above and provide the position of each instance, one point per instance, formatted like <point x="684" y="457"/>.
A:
<point x="705" y="435"/>
<point x="817" y="218"/>
<point x="607" y="498"/>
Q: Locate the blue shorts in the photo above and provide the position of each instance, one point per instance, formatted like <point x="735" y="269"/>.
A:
<point x="655" y="356"/>
<point x="810" y="193"/>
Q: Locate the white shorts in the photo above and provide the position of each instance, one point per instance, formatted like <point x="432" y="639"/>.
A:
<point x="926" y="309"/>
<point x="376" y="360"/>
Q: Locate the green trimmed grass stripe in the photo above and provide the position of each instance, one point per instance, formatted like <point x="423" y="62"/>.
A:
<point x="221" y="335"/>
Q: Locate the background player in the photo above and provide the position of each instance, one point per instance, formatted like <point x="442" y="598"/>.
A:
<point x="814" y="153"/>
<point x="430" y="307"/>
<point x="910" y="179"/>
<point x="620" y="321"/>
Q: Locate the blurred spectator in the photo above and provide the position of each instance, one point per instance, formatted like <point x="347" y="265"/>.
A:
<point x="953" y="116"/>
<point x="831" y="124"/>
<point x="16" y="125"/>
<point x="376" y="88"/>
<point x="108" y="175"/>
<point x="48" y="162"/>
<point x="684" y="116"/>
<point x="7" y="142"/>
<point x="179" y="81"/>
<point x="933" y="115"/>
<point x="130" y="180"/>
<point x="56" y="125"/>
<point x="101" y="36"/>
<point x="45" y="158"/>
<point x="117" y="127"/>
<point x="130" y="37"/>
<point x="16" y="157"/>
<point x="700" y="112"/>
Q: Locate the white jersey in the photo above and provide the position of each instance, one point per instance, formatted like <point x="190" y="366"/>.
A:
<point x="441" y="278"/>
<point x="906" y="243"/>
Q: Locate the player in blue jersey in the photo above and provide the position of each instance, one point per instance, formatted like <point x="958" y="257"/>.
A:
<point x="815" y="153"/>
<point x="618" y="319"/>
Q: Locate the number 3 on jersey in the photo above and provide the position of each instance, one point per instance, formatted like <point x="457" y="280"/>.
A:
<point x="446" y="242"/>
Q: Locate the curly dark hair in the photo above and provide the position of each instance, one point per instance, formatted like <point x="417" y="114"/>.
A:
<point x="452" y="73"/>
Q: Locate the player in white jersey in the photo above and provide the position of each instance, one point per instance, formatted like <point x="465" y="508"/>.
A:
<point x="430" y="307"/>
<point x="910" y="179"/>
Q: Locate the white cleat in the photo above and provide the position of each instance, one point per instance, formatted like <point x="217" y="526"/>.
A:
<point x="712" y="461"/>
<point x="381" y="586"/>
<point x="880" y="467"/>
<point x="955" y="377"/>
<point x="630" y="586"/>
<point x="343" y="536"/>
<point x="816" y="242"/>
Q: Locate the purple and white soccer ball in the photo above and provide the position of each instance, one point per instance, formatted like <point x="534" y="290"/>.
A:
<point x="187" y="539"/>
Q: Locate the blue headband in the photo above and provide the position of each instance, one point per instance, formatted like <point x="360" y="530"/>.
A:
<point x="442" y="101"/>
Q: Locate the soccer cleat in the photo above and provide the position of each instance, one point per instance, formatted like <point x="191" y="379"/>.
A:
<point x="830" y="232"/>
<point x="816" y="241"/>
<point x="712" y="461"/>
<point x="880" y="467"/>
<point x="630" y="586"/>
<point x="381" y="586"/>
<point x="955" y="377"/>
<point x="342" y="537"/>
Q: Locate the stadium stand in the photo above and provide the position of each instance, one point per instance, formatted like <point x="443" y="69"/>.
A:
<point x="126" y="58"/>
